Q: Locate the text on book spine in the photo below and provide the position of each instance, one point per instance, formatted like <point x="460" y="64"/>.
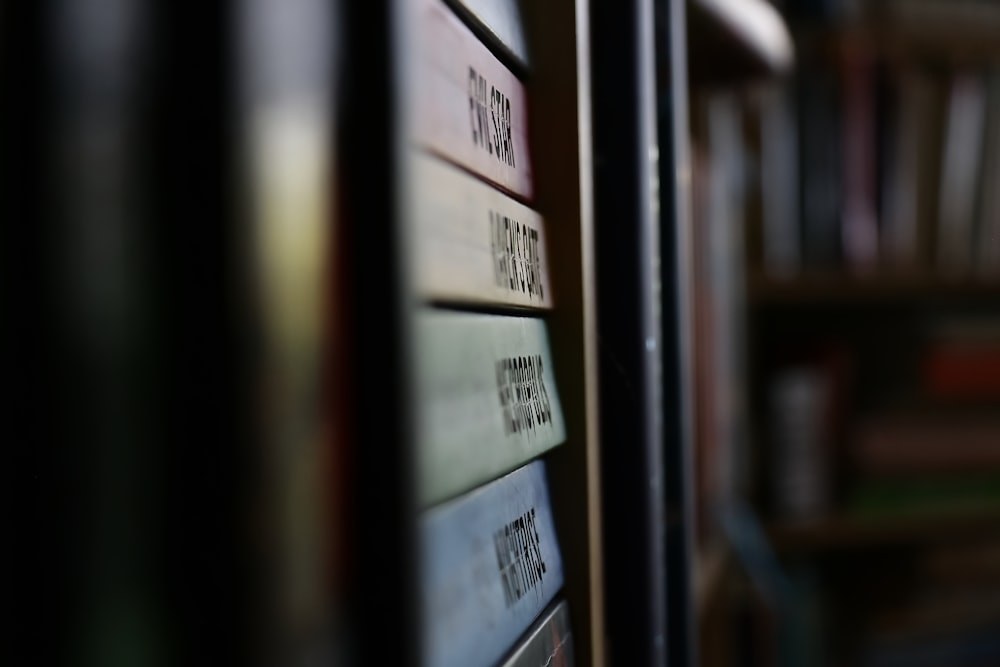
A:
<point x="523" y="396"/>
<point x="516" y="262"/>
<point x="519" y="557"/>
<point x="489" y="114"/>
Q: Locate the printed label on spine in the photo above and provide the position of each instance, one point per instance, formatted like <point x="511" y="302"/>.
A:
<point x="491" y="564"/>
<point x="474" y="244"/>
<point x="487" y="398"/>
<point x="470" y="108"/>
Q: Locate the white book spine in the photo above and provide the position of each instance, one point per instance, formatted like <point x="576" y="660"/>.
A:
<point x="473" y="244"/>
<point x="490" y="565"/>
<point x="487" y="398"/>
<point x="959" y="170"/>
<point x="798" y="404"/>
<point x="469" y="107"/>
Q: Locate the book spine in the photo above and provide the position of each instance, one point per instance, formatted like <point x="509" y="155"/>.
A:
<point x="487" y="398"/>
<point x="549" y="643"/>
<point x="799" y="399"/>
<point x="724" y="260"/>
<point x="959" y="173"/>
<point x="286" y="71"/>
<point x="500" y="21"/>
<point x="470" y="109"/>
<point x="819" y="170"/>
<point x="956" y="371"/>
<point x="988" y="242"/>
<point x="916" y="446"/>
<point x="491" y="564"/>
<point x="900" y="214"/>
<point x="473" y="243"/>
<point x="779" y="175"/>
<point x="859" y="224"/>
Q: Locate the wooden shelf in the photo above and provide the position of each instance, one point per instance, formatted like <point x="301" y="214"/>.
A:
<point x="731" y="40"/>
<point x="845" y="533"/>
<point x="832" y="288"/>
<point x="954" y="28"/>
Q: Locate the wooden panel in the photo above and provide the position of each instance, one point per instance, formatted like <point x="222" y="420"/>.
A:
<point x="559" y="133"/>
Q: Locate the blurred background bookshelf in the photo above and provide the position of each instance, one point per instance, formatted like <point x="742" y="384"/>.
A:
<point x="849" y="376"/>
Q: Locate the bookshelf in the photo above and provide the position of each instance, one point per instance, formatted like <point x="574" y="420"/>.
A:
<point x="834" y="289"/>
<point x="869" y="301"/>
<point x="732" y="46"/>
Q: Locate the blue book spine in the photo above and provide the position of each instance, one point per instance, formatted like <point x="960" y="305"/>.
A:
<point x="490" y="566"/>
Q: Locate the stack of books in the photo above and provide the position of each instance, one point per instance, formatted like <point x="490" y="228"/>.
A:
<point x="876" y="163"/>
<point x="487" y="401"/>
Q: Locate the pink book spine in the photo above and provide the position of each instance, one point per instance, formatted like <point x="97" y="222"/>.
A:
<point x="860" y="226"/>
<point x="471" y="110"/>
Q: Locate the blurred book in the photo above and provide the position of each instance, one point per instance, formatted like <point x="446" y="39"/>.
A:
<point x="923" y="494"/>
<point x="289" y="61"/>
<point x="802" y="443"/>
<point x="820" y="167"/>
<point x="718" y="202"/>
<point x="549" y="642"/>
<point x="960" y="167"/>
<point x="490" y="563"/>
<point x="926" y="442"/>
<point x="806" y="401"/>
<point x="859" y="217"/>
<point x="903" y="235"/>
<point x="779" y="169"/>
<point x="962" y="365"/>
<point x="986" y="241"/>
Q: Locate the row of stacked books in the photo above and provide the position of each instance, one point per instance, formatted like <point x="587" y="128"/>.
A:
<point x="937" y="450"/>
<point x="915" y="472"/>
<point x="872" y="162"/>
<point x="927" y="445"/>
<point x="487" y="404"/>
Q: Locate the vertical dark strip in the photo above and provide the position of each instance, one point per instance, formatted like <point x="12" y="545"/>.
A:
<point x="629" y="336"/>
<point x="40" y="472"/>
<point x="204" y="427"/>
<point x="382" y="602"/>
<point x="675" y="272"/>
<point x="99" y="337"/>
